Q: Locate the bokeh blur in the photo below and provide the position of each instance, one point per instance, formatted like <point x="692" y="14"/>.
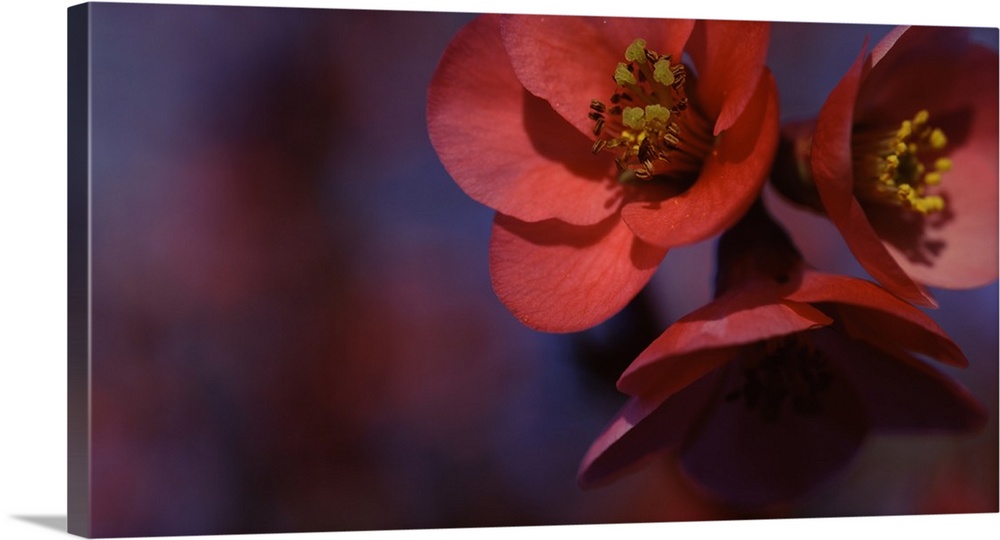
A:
<point x="293" y="327"/>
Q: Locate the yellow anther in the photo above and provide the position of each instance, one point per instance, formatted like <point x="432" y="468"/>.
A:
<point x="938" y="140"/>
<point x="662" y="72"/>
<point x="623" y="76"/>
<point x="900" y="165"/>
<point x="932" y="204"/>
<point x="657" y="113"/>
<point x="636" y="52"/>
<point x="926" y="205"/>
<point x="905" y="129"/>
<point x="633" y="117"/>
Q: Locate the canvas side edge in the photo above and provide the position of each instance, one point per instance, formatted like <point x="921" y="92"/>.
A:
<point x="78" y="270"/>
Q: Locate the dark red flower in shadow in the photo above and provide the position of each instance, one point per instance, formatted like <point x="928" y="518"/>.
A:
<point x="771" y="388"/>
<point x="904" y="160"/>
<point x="597" y="162"/>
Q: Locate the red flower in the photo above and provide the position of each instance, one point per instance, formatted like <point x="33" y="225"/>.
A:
<point x="904" y="158"/>
<point x="593" y="183"/>
<point x="771" y="388"/>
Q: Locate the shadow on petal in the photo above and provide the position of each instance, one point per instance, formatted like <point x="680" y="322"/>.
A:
<point x="907" y="231"/>
<point x="557" y="140"/>
<point x="903" y="394"/>
<point x="748" y="459"/>
<point x="558" y="277"/>
<point x="643" y="428"/>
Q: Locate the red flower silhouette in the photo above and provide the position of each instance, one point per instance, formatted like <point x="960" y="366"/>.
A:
<point x="597" y="162"/>
<point x="771" y="388"/>
<point x="904" y="159"/>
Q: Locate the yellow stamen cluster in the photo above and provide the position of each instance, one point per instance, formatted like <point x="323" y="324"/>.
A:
<point x="641" y="126"/>
<point x="899" y="169"/>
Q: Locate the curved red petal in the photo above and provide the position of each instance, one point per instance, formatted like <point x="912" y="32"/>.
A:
<point x="832" y="168"/>
<point x="872" y="313"/>
<point x="569" y="61"/>
<point x="644" y="426"/>
<point x="736" y="318"/>
<point x="831" y="143"/>
<point x="729" y="57"/>
<point x="886" y="44"/>
<point x="896" y="333"/>
<point x="558" y="277"/>
<point x="731" y="178"/>
<point x="903" y="44"/>
<point x="873" y="255"/>
<point x="505" y="148"/>
<point x="902" y="394"/>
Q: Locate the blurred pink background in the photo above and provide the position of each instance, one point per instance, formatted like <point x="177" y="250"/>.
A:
<point x="293" y="327"/>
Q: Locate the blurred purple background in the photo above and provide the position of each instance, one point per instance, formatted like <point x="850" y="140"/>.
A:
<point x="293" y="327"/>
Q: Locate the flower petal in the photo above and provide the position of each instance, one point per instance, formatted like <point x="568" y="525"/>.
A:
<point x="505" y="148"/>
<point x="558" y="277"/>
<point x="746" y="459"/>
<point x="569" y="61"/>
<point x="644" y="426"/>
<point x="737" y="318"/>
<point x="832" y="169"/>
<point x="958" y="247"/>
<point x="731" y="178"/>
<point x="729" y="57"/>
<point x="875" y="315"/>
<point x="965" y="245"/>
<point x="916" y="334"/>
<point x="886" y="44"/>
<point x="901" y="393"/>
<point x="895" y="53"/>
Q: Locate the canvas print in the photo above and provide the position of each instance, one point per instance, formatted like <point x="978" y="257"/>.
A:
<point x="337" y="270"/>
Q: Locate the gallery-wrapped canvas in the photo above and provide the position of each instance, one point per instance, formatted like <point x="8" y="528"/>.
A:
<point x="336" y="270"/>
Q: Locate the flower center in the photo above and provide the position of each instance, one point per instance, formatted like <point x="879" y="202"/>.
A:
<point x="649" y="126"/>
<point x="897" y="167"/>
<point x="782" y="371"/>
